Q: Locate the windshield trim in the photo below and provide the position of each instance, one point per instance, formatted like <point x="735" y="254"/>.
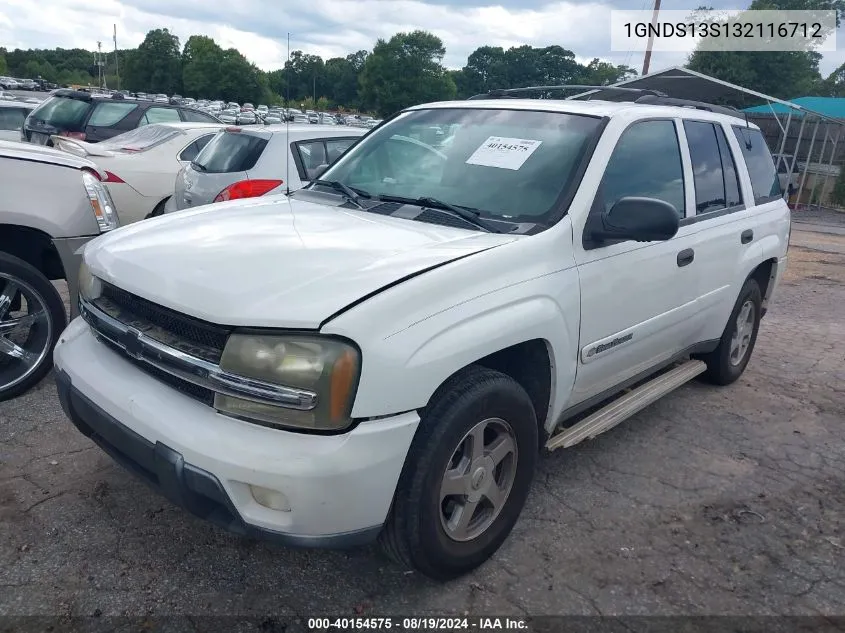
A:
<point x="558" y="210"/>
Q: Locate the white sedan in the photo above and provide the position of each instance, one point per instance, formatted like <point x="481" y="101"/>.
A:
<point x="140" y="166"/>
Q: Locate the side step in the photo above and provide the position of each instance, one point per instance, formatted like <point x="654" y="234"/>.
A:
<point x="626" y="405"/>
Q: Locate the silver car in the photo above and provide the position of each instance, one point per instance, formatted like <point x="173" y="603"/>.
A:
<point x="254" y="161"/>
<point x="44" y="228"/>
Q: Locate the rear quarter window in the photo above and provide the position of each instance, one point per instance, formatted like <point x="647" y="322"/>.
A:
<point x="761" y="167"/>
<point x="63" y="112"/>
<point x="108" y="113"/>
<point x="230" y="152"/>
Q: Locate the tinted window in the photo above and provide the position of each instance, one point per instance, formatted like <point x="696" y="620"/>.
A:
<point x="230" y="152"/>
<point x="509" y="164"/>
<point x="195" y="116"/>
<point x="190" y="152"/>
<point x="708" y="177"/>
<point x="160" y="115"/>
<point x="335" y="148"/>
<point x="107" y="113"/>
<point x="62" y="112"/>
<point x="645" y="163"/>
<point x="761" y="167"/>
<point x="312" y="153"/>
<point x="732" y="191"/>
<point x="12" y="118"/>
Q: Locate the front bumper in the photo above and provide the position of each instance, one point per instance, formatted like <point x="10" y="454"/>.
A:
<point x="339" y="488"/>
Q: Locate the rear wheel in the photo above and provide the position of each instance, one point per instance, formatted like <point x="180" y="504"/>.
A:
<point x="32" y="316"/>
<point x="466" y="476"/>
<point x="726" y="363"/>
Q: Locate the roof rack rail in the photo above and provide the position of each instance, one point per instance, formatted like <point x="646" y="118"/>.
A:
<point x="511" y="93"/>
<point x="688" y="103"/>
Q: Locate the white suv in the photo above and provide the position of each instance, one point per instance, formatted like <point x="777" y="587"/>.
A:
<point x="384" y="353"/>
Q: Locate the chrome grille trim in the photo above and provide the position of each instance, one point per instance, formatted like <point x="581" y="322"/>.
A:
<point x="202" y="373"/>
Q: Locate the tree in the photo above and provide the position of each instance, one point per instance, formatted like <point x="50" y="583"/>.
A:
<point x="156" y="65"/>
<point x="201" y="61"/>
<point x="403" y="71"/>
<point x="599" y="73"/>
<point x="3" y="68"/>
<point x="784" y="74"/>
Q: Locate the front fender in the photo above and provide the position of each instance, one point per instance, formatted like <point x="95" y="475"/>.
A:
<point x="402" y="370"/>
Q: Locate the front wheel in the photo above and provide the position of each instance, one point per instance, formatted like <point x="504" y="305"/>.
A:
<point x="32" y="316"/>
<point x="466" y="476"/>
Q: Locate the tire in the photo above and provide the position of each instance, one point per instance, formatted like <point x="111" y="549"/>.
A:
<point x="423" y="530"/>
<point x="157" y="210"/>
<point x="725" y="364"/>
<point x="40" y="321"/>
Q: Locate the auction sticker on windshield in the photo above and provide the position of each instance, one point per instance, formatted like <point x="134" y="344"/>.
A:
<point x="503" y="152"/>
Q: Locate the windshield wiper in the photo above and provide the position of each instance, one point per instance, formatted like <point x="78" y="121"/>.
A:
<point x="349" y="193"/>
<point x="199" y="166"/>
<point x="465" y="213"/>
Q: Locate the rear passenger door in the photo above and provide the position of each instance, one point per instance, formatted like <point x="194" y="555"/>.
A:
<point x="723" y="219"/>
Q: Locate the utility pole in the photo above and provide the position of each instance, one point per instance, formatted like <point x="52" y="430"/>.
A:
<point x="116" y="67"/>
<point x="647" y="59"/>
<point x="100" y="72"/>
<point x="315" y="89"/>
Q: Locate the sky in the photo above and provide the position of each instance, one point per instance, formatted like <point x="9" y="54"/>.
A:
<point x="331" y="28"/>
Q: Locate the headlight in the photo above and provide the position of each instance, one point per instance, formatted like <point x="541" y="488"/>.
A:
<point x="328" y="367"/>
<point x="101" y="202"/>
<point x="90" y="287"/>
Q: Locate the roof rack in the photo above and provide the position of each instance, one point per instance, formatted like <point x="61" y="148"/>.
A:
<point x="688" y="103"/>
<point x="511" y="93"/>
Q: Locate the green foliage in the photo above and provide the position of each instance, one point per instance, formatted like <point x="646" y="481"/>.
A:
<point x="4" y="69"/>
<point x="784" y="74"/>
<point x="156" y="65"/>
<point x="403" y="71"/>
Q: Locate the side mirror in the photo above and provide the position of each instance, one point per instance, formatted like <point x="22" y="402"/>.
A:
<point x="316" y="172"/>
<point x="638" y="219"/>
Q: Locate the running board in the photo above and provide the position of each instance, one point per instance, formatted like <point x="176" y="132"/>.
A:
<point x="626" y="405"/>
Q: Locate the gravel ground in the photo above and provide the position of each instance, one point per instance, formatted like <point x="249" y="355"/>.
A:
<point x="713" y="501"/>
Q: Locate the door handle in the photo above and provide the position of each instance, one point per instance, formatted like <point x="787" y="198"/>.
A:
<point x="746" y="236"/>
<point x="685" y="257"/>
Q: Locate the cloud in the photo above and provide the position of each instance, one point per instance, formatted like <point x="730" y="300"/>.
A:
<point x="330" y="28"/>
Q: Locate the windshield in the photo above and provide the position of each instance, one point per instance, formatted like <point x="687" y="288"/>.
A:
<point x="506" y="164"/>
<point x="141" y="139"/>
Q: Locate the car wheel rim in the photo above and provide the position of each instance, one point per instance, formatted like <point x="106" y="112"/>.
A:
<point x="741" y="339"/>
<point x="25" y="332"/>
<point x="478" y="479"/>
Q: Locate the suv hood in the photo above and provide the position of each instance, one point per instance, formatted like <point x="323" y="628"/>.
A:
<point x="273" y="262"/>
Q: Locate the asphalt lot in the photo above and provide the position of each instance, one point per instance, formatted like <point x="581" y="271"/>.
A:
<point x="713" y="501"/>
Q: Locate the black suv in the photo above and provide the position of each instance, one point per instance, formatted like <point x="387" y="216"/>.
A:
<point x="95" y="118"/>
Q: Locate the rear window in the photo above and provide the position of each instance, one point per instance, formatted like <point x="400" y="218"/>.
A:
<point x="109" y="113"/>
<point x="140" y="139"/>
<point x="12" y="118"/>
<point x="194" y="116"/>
<point x="63" y="112"/>
<point x="230" y="152"/>
<point x="761" y="166"/>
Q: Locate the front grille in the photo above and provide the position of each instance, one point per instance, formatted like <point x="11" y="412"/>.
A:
<point x="206" y="396"/>
<point x="187" y="334"/>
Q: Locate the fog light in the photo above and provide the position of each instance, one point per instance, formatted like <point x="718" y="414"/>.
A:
<point x="269" y="498"/>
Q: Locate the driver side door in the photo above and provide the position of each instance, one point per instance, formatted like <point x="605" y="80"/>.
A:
<point x="638" y="299"/>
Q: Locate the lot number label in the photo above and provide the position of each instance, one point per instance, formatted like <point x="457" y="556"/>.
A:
<point x="503" y="152"/>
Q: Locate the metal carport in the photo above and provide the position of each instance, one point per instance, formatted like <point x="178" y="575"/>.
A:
<point x="809" y="137"/>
